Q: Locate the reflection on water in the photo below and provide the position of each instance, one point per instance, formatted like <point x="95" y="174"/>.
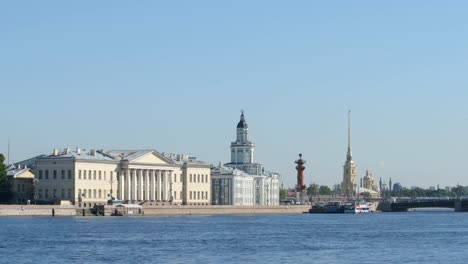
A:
<point x="417" y="237"/>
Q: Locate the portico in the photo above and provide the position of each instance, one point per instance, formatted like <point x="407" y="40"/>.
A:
<point x="145" y="184"/>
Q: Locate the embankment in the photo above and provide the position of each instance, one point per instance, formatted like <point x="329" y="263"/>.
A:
<point x="37" y="210"/>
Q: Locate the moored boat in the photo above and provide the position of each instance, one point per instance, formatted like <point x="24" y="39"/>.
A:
<point x="357" y="208"/>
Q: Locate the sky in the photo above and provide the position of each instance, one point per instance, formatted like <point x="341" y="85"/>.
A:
<point x="175" y="75"/>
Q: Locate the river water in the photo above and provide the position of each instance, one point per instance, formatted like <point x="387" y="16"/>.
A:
<point x="415" y="237"/>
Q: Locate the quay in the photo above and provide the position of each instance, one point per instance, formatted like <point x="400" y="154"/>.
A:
<point x="154" y="210"/>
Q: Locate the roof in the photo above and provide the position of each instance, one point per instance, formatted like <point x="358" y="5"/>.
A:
<point x="15" y="172"/>
<point x="242" y="123"/>
<point x="223" y="170"/>
<point x="78" y="155"/>
<point x="117" y="155"/>
<point x="133" y="154"/>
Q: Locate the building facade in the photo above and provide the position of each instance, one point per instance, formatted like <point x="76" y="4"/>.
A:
<point x="87" y="178"/>
<point x="21" y="180"/>
<point x="348" y="185"/>
<point x="242" y="181"/>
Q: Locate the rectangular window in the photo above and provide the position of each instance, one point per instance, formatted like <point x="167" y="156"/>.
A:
<point x="175" y="177"/>
<point x="79" y="193"/>
<point x="62" y="174"/>
<point x="181" y="197"/>
<point x="40" y="174"/>
<point x="63" y="193"/>
<point x="105" y="175"/>
<point x="18" y="187"/>
<point x="198" y="194"/>
<point x="69" y="174"/>
<point x="206" y="177"/>
<point x="84" y="174"/>
<point x="94" y="175"/>
<point x="94" y="193"/>
<point x="69" y="194"/>
<point x="55" y="174"/>
<point x="190" y="195"/>
<point x="111" y="176"/>
<point x="100" y="193"/>
<point x="89" y="193"/>
<point x="99" y="177"/>
<point x="47" y="174"/>
<point x="40" y="193"/>
<point x="54" y="193"/>
<point x="175" y="195"/>
<point x="79" y="174"/>
<point x="190" y="177"/>
<point x="46" y="193"/>
<point x="198" y="176"/>
<point x="89" y="174"/>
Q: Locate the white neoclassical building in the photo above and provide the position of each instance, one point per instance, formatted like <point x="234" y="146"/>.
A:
<point x="242" y="181"/>
<point x="93" y="177"/>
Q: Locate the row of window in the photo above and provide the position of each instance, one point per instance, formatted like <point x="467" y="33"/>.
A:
<point x="94" y="175"/>
<point x="45" y="174"/>
<point x="197" y="195"/>
<point x="44" y="194"/>
<point x="197" y="178"/>
<point x="92" y="193"/>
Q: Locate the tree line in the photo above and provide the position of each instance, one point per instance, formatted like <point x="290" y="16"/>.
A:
<point x="5" y="190"/>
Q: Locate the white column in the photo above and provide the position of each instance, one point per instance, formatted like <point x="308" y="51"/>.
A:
<point x="120" y="184"/>
<point x="153" y="185"/>
<point x="147" y="197"/>
<point x="135" y="186"/>
<point x="159" y="177"/>
<point x="164" y="181"/>
<point x="140" y="184"/>
<point x="127" y="184"/>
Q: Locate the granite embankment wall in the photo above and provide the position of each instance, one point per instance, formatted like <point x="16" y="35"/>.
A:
<point x="37" y="210"/>
<point x="57" y="210"/>
<point x="224" y="210"/>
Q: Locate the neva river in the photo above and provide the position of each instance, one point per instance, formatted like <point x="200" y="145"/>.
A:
<point x="415" y="237"/>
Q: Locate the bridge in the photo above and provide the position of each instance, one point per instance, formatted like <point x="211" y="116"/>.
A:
<point x="404" y="205"/>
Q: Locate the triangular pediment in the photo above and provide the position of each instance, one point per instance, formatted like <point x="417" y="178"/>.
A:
<point x="151" y="158"/>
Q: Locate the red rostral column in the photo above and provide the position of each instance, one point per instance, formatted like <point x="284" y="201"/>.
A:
<point x="300" y="187"/>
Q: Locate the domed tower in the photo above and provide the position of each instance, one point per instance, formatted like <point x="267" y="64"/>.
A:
<point x="242" y="150"/>
<point x="348" y="185"/>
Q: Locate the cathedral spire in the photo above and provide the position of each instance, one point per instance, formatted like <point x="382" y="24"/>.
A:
<point x="349" y="155"/>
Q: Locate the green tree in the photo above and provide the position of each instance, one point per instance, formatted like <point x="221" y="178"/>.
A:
<point x="325" y="190"/>
<point x="5" y="192"/>
<point x="283" y="193"/>
<point x="313" y="189"/>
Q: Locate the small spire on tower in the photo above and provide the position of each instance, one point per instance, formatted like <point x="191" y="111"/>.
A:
<point x="349" y="156"/>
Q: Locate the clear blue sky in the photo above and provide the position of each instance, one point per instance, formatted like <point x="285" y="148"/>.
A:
<point x="174" y="76"/>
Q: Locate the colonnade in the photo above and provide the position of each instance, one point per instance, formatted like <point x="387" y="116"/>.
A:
<point x="144" y="185"/>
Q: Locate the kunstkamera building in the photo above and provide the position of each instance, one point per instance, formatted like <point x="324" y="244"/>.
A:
<point x="87" y="178"/>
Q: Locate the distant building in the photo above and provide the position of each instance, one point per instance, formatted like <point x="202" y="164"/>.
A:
<point x="242" y="181"/>
<point x="21" y="180"/>
<point x="348" y="185"/>
<point x="368" y="182"/>
<point x="93" y="177"/>
<point x="397" y="186"/>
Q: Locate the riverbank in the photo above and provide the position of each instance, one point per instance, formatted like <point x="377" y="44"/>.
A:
<point x="163" y="210"/>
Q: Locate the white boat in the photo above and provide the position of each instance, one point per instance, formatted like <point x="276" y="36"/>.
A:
<point x="357" y="208"/>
